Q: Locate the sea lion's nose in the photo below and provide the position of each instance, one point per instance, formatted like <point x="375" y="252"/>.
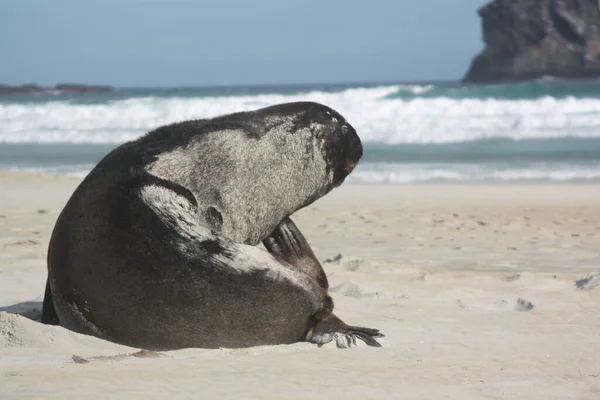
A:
<point x="348" y="151"/>
<point x="354" y="148"/>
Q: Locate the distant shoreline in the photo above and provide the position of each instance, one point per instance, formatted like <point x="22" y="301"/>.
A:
<point x="65" y="88"/>
<point x="79" y="88"/>
<point x="34" y="88"/>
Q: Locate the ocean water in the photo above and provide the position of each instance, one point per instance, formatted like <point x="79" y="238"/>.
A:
<point x="545" y="130"/>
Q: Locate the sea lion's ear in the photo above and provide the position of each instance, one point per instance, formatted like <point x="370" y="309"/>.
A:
<point x="214" y="218"/>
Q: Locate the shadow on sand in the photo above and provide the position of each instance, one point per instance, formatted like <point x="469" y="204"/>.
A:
<point x="28" y="309"/>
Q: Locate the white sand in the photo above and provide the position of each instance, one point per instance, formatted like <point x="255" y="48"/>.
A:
<point x="438" y="268"/>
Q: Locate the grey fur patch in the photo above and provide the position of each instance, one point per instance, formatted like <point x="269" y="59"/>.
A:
<point x="177" y="212"/>
<point x="259" y="181"/>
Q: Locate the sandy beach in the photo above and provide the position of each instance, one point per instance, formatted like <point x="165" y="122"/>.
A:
<point x="473" y="286"/>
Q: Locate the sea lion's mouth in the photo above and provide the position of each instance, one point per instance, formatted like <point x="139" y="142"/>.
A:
<point x="350" y="165"/>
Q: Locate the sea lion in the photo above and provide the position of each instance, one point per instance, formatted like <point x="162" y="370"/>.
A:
<point x="157" y="247"/>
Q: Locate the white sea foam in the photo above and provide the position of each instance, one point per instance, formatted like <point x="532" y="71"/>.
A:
<point x="376" y="118"/>
<point x="408" y="173"/>
<point x="414" y="89"/>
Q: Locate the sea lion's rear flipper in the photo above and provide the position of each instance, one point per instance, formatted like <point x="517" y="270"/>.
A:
<point x="49" y="315"/>
<point x="288" y="245"/>
<point x="333" y="328"/>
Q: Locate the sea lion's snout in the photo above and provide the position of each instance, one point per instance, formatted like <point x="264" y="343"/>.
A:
<point x="349" y="166"/>
<point x="346" y="152"/>
<point x="353" y="148"/>
<point x="341" y="147"/>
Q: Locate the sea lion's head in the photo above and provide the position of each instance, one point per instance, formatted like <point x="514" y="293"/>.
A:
<point x="254" y="168"/>
<point x="303" y="128"/>
<point x="294" y="154"/>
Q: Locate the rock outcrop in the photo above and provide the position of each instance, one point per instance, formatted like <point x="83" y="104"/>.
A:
<point x="22" y="89"/>
<point x="528" y="39"/>
<point x="65" y="88"/>
<point x="80" y="88"/>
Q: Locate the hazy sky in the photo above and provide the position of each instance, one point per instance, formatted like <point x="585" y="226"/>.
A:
<point x="187" y="42"/>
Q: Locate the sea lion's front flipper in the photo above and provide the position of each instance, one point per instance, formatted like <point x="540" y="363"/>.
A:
<point x="333" y="328"/>
<point x="287" y="244"/>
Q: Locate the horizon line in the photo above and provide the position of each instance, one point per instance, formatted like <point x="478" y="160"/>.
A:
<point x="220" y="85"/>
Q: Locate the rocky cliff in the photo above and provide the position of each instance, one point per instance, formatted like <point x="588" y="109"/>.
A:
<point x="526" y="39"/>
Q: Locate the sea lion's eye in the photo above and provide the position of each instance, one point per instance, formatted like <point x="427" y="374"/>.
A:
<point x="334" y="119"/>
